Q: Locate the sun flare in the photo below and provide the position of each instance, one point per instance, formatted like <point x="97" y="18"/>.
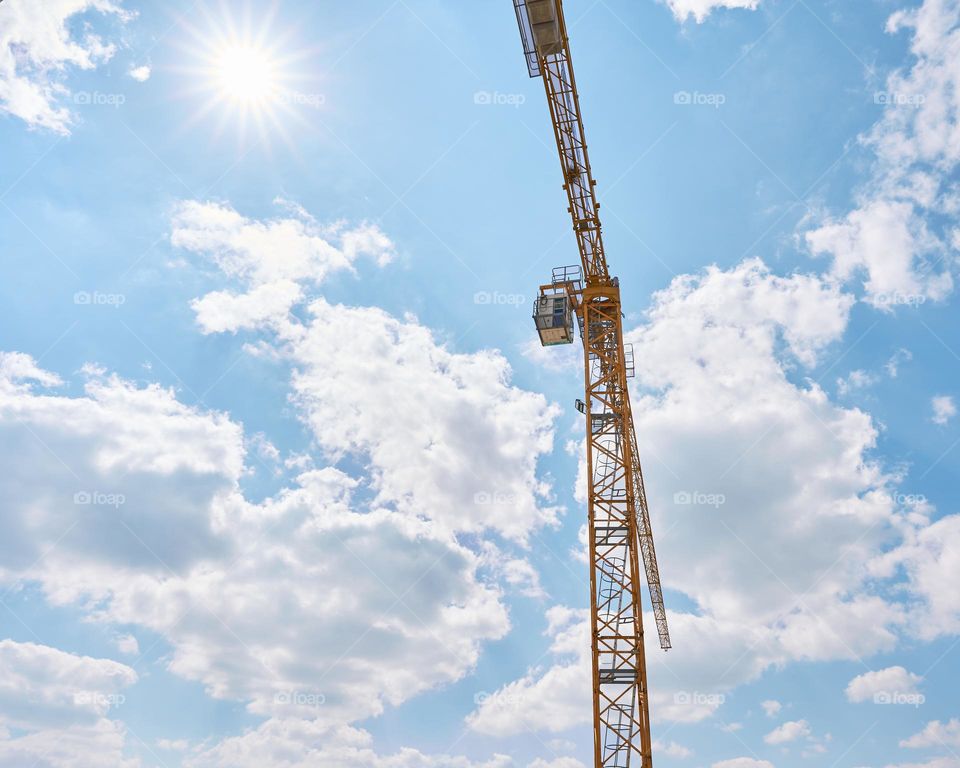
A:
<point x="245" y="74"/>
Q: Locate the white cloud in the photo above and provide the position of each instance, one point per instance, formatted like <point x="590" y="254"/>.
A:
<point x="720" y="418"/>
<point x="553" y="700"/>
<point x="37" y="49"/>
<point x="301" y="744"/>
<point x="700" y="9"/>
<point x="43" y="687"/>
<point x="103" y="743"/>
<point x="141" y="74"/>
<point x="560" y="762"/>
<point x="881" y="684"/>
<point x="855" y="380"/>
<point x="788" y="732"/>
<point x="476" y="439"/>
<point x="944" y="409"/>
<point x="891" y="238"/>
<point x="935" y="734"/>
<point x="58" y="703"/>
<point x="220" y="311"/>
<point x="771" y="708"/>
<point x="402" y="608"/>
<point x="127" y="644"/>
<point x="896" y="360"/>
<point x="672" y="749"/>
<point x="173" y="745"/>
<point x="892" y="245"/>
<point x="567" y="358"/>
<point x="743" y="762"/>
<point x="931" y="559"/>
<point x="936" y="762"/>
<point x="269" y="258"/>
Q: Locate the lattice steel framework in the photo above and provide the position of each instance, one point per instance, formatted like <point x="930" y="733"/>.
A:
<point x="618" y="519"/>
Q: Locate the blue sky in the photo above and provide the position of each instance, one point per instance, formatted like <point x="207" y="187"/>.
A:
<point x="288" y="480"/>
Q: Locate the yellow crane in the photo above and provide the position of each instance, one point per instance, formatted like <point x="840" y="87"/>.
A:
<point x="618" y="520"/>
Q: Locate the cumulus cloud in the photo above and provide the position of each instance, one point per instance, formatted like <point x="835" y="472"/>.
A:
<point x="883" y="683"/>
<point x="700" y="9"/>
<point x="454" y="441"/>
<point x="931" y="559"/>
<point x="309" y="605"/>
<point x="301" y="744"/>
<point x="37" y="49"/>
<point x="771" y="708"/>
<point x="944" y="409"/>
<point x="553" y="700"/>
<point x="891" y="239"/>
<point x="672" y="749"/>
<point x="790" y="731"/>
<point x="141" y="74"/>
<point x="128" y="645"/>
<point x="935" y="734"/>
<point x="58" y="703"/>
<point x="269" y="258"/>
<point x="743" y="762"/>
<point x="761" y="487"/>
<point x="142" y="495"/>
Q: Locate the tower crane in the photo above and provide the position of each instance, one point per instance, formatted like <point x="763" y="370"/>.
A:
<point x="619" y="534"/>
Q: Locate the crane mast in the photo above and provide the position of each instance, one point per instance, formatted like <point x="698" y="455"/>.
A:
<point x="619" y="534"/>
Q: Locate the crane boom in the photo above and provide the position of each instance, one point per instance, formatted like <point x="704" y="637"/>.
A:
<point x="618" y="519"/>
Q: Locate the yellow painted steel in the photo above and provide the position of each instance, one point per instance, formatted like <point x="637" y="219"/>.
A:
<point x="620" y="537"/>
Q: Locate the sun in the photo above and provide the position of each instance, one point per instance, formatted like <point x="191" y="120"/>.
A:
<point x="245" y="74"/>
